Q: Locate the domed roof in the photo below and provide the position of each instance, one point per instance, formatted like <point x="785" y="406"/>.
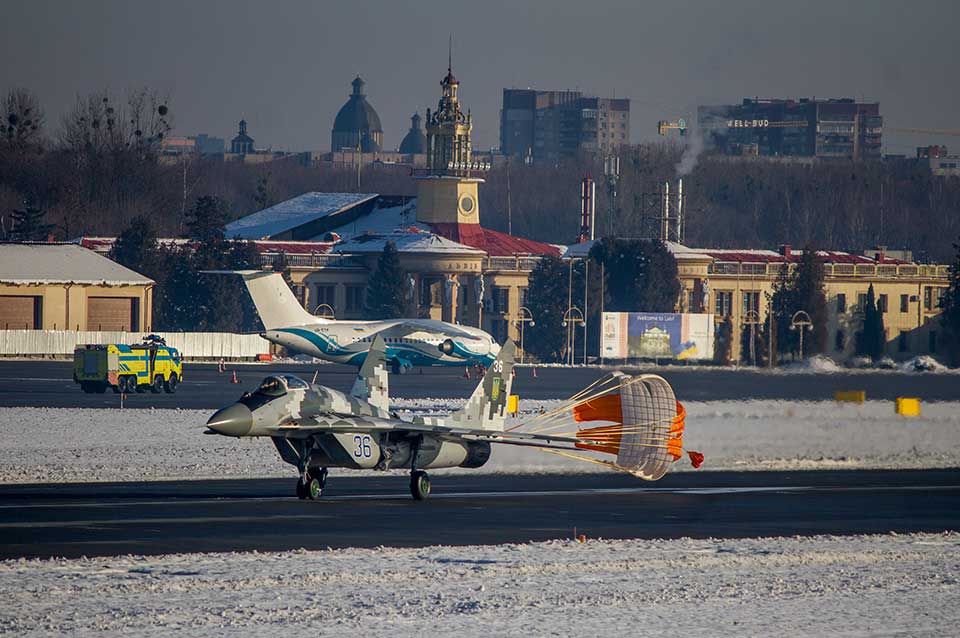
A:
<point x="415" y="141"/>
<point x="357" y="114"/>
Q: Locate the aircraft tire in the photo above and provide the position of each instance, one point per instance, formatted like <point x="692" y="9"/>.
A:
<point x="314" y="488"/>
<point x="301" y="490"/>
<point x="420" y="485"/>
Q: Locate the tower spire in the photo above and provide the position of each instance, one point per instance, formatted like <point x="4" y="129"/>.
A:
<point x="450" y="54"/>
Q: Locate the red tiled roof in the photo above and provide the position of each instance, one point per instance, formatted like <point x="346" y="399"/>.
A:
<point x="494" y="243"/>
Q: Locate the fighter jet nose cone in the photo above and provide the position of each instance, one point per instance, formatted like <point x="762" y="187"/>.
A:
<point x="233" y="420"/>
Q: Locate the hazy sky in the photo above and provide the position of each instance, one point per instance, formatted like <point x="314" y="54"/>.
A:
<point x="286" y="65"/>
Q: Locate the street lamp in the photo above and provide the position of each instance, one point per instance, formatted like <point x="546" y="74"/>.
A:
<point x="571" y="318"/>
<point x="801" y="320"/>
<point x="525" y="317"/>
<point x="752" y="319"/>
<point x="324" y="311"/>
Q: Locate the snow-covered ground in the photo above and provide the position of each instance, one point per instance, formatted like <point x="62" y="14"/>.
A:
<point x="59" y="444"/>
<point x="893" y="585"/>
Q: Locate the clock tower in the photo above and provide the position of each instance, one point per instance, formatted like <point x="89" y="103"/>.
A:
<point x="447" y="193"/>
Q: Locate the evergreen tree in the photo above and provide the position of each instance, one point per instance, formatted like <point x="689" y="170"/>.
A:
<point x="206" y="220"/>
<point x="244" y="255"/>
<point x="29" y="225"/>
<point x="137" y="247"/>
<point x="386" y="287"/>
<point x="722" y="341"/>
<point x="808" y="295"/>
<point x="641" y="275"/>
<point x="872" y="338"/>
<point x="547" y="297"/>
<point x="950" y="317"/>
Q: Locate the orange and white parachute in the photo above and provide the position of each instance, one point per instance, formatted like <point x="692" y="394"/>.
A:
<point x="635" y="418"/>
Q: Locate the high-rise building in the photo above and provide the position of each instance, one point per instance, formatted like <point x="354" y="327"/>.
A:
<point x="826" y="129"/>
<point x="548" y="125"/>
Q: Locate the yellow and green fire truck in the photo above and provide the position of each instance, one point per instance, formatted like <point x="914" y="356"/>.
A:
<point x="151" y="365"/>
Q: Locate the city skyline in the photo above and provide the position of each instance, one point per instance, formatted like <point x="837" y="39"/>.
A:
<point x="288" y="71"/>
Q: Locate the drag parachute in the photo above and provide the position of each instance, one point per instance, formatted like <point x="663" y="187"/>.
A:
<point x="637" y="419"/>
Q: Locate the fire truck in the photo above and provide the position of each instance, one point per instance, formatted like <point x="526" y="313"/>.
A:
<point x="151" y="365"/>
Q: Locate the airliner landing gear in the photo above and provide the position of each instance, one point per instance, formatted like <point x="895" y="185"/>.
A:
<point x="311" y="484"/>
<point x="419" y="485"/>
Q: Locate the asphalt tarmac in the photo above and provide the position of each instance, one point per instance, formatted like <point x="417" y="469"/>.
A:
<point x="74" y="520"/>
<point x="50" y="384"/>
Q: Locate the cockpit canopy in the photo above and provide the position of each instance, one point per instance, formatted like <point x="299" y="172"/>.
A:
<point x="277" y="386"/>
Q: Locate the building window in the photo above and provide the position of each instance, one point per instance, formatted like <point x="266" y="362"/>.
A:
<point x="498" y="330"/>
<point x="882" y="303"/>
<point x="903" y="344"/>
<point x="840" y="341"/>
<point x="861" y="301"/>
<point x="904" y="303"/>
<point x="354" y="298"/>
<point x="523" y="296"/>
<point x="841" y="303"/>
<point x="932" y="341"/>
<point x="430" y="295"/>
<point x="751" y="301"/>
<point x="724" y="303"/>
<point x="501" y="299"/>
<point x="324" y="295"/>
<point x="931" y="298"/>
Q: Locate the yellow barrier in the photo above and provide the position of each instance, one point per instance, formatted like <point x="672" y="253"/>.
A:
<point x="850" y="396"/>
<point x="513" y="404"/>
<point x="908" y="406"/>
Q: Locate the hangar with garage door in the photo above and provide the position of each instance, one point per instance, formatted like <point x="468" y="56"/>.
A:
<point x="49" y="286"/>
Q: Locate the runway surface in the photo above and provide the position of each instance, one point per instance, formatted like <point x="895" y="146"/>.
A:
<point x="50" y="384"/>
<point x="152" y="518"/>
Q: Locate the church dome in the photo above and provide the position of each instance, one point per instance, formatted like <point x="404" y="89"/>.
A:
<point x="357" y="122"/>
<point x="415" y="142"/>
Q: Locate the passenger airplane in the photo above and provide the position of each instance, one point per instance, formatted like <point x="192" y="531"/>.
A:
<point x="409" y="342"/>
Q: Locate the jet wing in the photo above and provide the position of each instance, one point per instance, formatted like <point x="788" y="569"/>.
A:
<point x="412" y="326"/>
<point x="346" y="423"/>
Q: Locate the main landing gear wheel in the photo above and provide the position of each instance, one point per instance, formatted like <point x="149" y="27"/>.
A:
<point x="311" y="486"/>
<point x="420" y="485"/>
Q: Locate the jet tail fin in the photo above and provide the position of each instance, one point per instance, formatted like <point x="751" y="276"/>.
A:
<point x="486" y="409"/>
<point x="275" y="303"/>
<point x="372" y="383"/>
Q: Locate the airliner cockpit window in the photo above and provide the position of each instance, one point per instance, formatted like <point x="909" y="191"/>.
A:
<point x="272" y="387"/>
<point x="295" y="383"/>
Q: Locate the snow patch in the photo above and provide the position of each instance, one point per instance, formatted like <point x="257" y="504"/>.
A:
<point x="815" y="586"/>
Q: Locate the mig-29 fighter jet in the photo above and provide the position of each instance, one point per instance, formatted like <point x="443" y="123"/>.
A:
<point x="315" y="427"/>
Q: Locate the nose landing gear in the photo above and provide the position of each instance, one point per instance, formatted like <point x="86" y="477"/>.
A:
<point x="311" y="484"/>
<point x="419" y="485"/>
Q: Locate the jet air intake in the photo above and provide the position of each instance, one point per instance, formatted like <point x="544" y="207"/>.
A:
<point x="447" y="347"/>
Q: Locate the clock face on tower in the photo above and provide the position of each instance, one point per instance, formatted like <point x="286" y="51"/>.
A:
<point x="467" y="205"/>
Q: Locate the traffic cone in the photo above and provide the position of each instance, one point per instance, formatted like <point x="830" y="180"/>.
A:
<point x="235" y="379"/>
<point x="534" y="373"/>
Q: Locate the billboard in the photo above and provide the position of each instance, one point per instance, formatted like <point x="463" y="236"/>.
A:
<point x="654" y="335"/>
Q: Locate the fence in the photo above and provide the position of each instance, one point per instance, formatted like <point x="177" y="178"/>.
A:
<point x="192" y="345"/>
